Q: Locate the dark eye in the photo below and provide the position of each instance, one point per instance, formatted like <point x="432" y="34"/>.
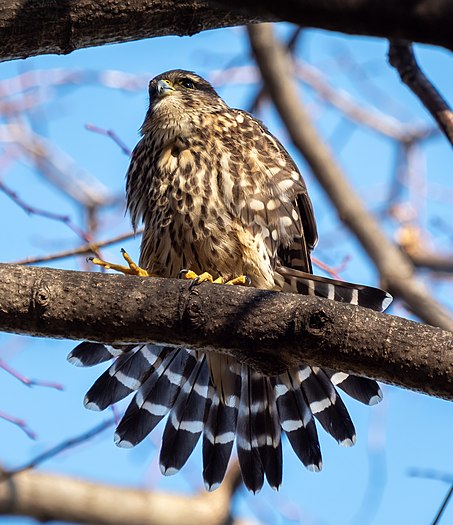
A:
<point x="187" y="83"/>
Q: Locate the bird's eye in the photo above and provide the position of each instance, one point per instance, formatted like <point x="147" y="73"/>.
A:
<point x="187" y="83"/>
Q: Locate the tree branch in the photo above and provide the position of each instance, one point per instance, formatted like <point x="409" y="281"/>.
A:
<point x="396" y="270"/>
<point x="402" y="58"/>
<point x="35" y="27"/>
<point x="268" y="330"/>
<point x="48" y="497"/>
<point x="428" y="21"/>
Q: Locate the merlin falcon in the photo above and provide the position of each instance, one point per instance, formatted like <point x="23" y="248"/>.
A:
<point x="220" y="196"/>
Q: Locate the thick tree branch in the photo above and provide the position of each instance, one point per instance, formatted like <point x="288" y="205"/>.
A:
<point x="428" y="21"/>
<point x="49" y="497"/>
<point x="396" y="270"/>
<point x="268" y="330"/>
<point x="35" y="27"/>
<point x="402" y="58"/>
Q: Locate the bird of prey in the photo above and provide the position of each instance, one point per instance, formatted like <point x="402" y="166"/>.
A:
<point x="218" y="194"/>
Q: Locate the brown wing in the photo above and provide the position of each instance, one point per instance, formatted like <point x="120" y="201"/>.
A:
<point x="277" y="201"/>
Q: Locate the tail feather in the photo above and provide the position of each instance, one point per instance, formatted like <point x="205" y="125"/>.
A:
<point x="186" y="421"/>
<point x="362" y="389"/>
<point x="247" y="440"/>
<point x="296" y="419"/>
<point x="219" y="434"/>
<point x="303" y="283"/>
<point x="325" y="404"/>
<point x="91" y="354"/>
<point x="155" y="398"/>
<point x="273" y="457"/>
<point x="126" y="375"/>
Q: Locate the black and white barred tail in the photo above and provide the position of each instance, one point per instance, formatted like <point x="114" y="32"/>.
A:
<point x="254" y="411"/>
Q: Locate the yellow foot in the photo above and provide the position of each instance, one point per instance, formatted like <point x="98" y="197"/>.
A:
<point x="243" y="280"/>
<point x="132" y="269"/>
<point x="207" y="277"/>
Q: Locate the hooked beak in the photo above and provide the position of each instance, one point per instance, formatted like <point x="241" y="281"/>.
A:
<point x="164" y="88"/>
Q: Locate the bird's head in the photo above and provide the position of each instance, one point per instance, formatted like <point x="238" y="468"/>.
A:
<point x="177" y="96"/>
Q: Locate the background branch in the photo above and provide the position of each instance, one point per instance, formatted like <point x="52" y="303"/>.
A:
<point x="48" y="497"/>
<point x="396" y="270"/>
<point x="402" y="58"/>
<point x="268" y="330"/>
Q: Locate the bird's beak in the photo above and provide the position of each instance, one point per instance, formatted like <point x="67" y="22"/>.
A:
<point x="164" y="88"/>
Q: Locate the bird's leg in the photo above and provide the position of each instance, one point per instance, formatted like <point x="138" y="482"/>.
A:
<point x="131" y="269"/>
<point x="207" y="277"/>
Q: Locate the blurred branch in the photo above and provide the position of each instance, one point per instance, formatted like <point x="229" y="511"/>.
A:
<point x="267" y="330"/>
<point x="26" y="380"/>
<point x="56" y="166"/>
<point x="49" y="497"/>
<point x="351" y="109"/>
<point x="31" y="210"/>
<point x="396" y="270"/>
<point x="111" y="134"/>
<point x="433" y="474"/>
<point x="19" y="423"/>
<point x="37" y="27"/>
<point x="402" y="58"/>
<point x="61" y="447"/>
<point x="86" y="249"/>
<point x="433" y="262"/>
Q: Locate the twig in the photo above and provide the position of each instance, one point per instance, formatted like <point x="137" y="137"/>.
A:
<point x="110" y="133"/>
<point x="402" y="58"/>
<point x="65" y="445"/>
<point x="434" y="474"/>
<point x="26" y="380"/>
<point x="443" y="506"/>
<point x="370" y="118"/>
<point x="20" y="423"/>
<point x="31" y="210"/>
<point x="86" y="249"/>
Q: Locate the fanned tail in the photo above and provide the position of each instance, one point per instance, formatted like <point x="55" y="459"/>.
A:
<point x="213" y="395"/>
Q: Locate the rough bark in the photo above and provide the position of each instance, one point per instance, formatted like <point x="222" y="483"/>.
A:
<point x="61" y="26"/>
<point x="428" y="21"/>
<point x="268" y="330"/>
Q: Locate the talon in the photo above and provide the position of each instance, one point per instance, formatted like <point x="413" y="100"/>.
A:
<point x="187" y="274"/>
<point x="131" y="269"/>
<point x="207" y="277"/>
<point x="241" y="280"/>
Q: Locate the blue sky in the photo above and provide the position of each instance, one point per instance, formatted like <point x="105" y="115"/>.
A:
<point x="366" y="484"/>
